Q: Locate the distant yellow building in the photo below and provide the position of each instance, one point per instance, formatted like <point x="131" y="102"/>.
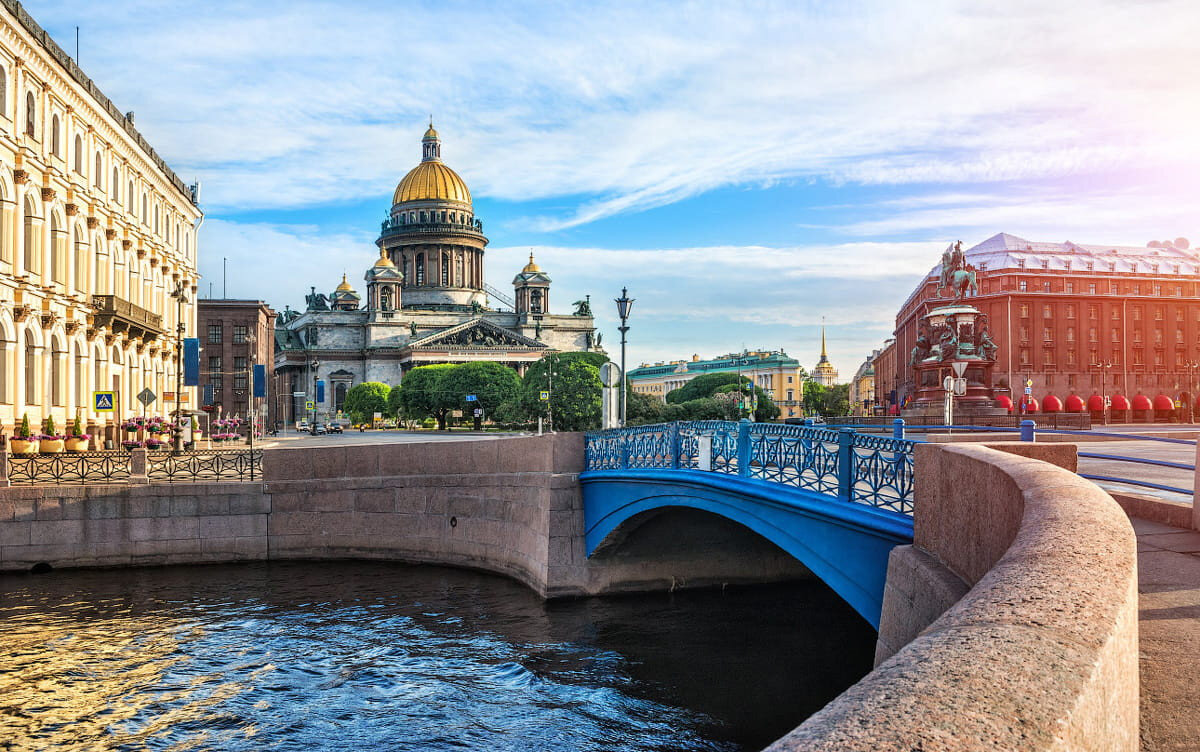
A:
<point x="824" y="373"/>
<point x="781" y="377"/>
<point x="95" y="234"/>
<point x="862" y="388"/>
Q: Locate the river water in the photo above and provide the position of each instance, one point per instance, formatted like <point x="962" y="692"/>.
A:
<point x="381" y="656"/>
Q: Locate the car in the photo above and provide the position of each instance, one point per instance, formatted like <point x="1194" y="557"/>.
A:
<point x="302" y="426"/>
<point x="319" y="429"/>
<point x="335" y="428"/>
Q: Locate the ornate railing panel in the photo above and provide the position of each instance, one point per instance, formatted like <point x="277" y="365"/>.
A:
<point x="68" y="467"/>
<point x="205" y="465"/>
<point x="866" y="469"/>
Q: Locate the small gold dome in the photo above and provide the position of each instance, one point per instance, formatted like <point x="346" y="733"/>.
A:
<point x="383" y="260"/>
<point x="531" y="267"/>
<point x="345" y="285"/>
<point x="432" y="181"/>
<point x="431" y="133"/>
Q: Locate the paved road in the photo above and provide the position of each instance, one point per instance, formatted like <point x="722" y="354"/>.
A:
<point x="1156" y="450"/>
<point x="294" y="439"/>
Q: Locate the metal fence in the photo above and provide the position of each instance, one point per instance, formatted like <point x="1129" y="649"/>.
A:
<point x="872" y="470"/>
<point x="1074" y="421"/>
<point x="137" y="466"/>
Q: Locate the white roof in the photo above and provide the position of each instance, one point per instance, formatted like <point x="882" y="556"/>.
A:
<point x="1004" y="251"/>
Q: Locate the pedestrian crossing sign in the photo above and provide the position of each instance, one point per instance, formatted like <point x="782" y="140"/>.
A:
<point x="102" y="402"/>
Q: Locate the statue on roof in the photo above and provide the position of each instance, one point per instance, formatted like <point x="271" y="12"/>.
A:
<point x="583" y="307"/>
<point x="316" y="301"/>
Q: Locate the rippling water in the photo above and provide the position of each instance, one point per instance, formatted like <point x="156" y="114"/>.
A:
<point x="374" y="656"/>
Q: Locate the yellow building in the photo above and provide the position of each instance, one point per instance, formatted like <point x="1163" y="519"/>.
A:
<point x="862" y="388"/>
<point x="96" y="232"/>
<point x="781" y="377"/>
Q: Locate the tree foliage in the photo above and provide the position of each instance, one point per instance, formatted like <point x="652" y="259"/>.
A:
<point x="421" y="394"/>
<point x="492" y="384"/>
<point x="574" y="393"/>
<point x="703" y="386"/>
<point x="365" y="399"/>
<point x="829" y="402"/>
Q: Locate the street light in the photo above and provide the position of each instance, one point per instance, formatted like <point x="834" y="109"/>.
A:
<point x="1103" y="366"/>
<point x="312" y="428"/>
<point x="1194" y="381"/>
<point x="624" y="304"/>
<point x="180" y="296"/>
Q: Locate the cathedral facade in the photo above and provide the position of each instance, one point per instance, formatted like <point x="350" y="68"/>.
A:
<point x="424" y="302"/>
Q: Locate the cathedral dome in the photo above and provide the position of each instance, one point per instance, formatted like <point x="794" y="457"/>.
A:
<point x="431" y="180"/>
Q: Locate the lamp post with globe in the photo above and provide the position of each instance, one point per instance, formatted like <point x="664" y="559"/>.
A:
<point x="624" y="306"/>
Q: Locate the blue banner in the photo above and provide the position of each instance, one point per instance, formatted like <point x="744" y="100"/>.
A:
<point x="210" y="395"/>
<point x="260" y="381"/>
<point x="320" y="390"/>
<point x="191" y="361"/>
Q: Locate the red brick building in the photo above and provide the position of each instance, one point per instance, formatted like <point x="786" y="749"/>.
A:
<point x="234" y="336"/>
<point x="1076" y="320"/>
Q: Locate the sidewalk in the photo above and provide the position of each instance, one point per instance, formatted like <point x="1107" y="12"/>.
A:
<point x="1169" y="635"/>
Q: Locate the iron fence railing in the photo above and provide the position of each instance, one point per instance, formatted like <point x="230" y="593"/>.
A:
<point x="872" y="470"/>
<point x="205" y="465"/>
<point x="68" y="467"/>
<point x="121" y="466"/>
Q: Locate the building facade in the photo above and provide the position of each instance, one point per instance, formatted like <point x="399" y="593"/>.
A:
<point x="883" y="363"/>
<point x="824" y="373"/>
<point x="780" y="376"/>
<point x="1077" y="320"/>
<point x="425" y="302"/>
<point x="235" y="336"/>
<point x="96" y="234"/>
<point x="862" y="388"/>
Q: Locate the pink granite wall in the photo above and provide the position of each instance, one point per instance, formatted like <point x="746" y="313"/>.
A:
<point x="1040" y="652"/>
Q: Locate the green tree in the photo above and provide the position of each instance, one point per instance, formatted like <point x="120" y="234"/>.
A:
<point x="492" y="384"/>
<point x="766" y="410"/>
<point x="703" y="386"/>
<point x="574" y="394"/>
<point x="641" y="409"/>
<point x="421" y="394"/>
<point x="365" y="399"/>
<point x="830" y="402"/>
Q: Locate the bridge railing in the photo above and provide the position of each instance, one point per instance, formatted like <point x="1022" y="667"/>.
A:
<point x="872" y="470"/>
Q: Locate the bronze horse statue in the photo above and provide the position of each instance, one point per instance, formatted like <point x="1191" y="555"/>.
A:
<point x="962" y="282"/>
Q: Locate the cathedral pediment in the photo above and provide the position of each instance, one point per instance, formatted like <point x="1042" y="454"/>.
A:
<point x="475" y="334"/>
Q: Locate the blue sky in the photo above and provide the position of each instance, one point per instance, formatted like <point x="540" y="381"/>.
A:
<point x="746" y="169"/>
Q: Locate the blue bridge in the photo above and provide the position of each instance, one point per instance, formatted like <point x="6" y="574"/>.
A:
<point x="836" y="500"/>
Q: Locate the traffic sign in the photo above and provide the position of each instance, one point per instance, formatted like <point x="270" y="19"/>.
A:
<point x="472" y="398"/>
<point x="1029" y="382"/>
<point x="308" y="405"/>
<point x="102" y="402"/>
<point x="478" y="413"/>
<point x="948" y="383"/>
<point x="959" y="368"/>
<point x="960" y="387"/>
<point x="1029" y="390"/>
<point x="146" y="396"/>
<point x="544" y="396"/>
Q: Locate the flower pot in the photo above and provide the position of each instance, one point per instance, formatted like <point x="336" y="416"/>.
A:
<point x="52" y="446"/>
<point x="77" y="445"/>
<point x="22" y="446"/>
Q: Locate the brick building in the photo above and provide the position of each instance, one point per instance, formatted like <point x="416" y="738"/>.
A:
<point x="1082" y="320"/>
<point x="234" y="336"/>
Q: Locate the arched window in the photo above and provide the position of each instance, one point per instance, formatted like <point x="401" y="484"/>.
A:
<point x="57" y="241"/>
<point x="535" y="301"/>
<point x="385" y="299"/>
<point x="32" y="256"/>
<point x="31" y="370"/>
<point x="98" y="176"/>
<point x="445" y="269"/>
<point x="30" y="114"/>
<point x="78" y="154"/>
<point x="420" y="268"/>
<point x="55" y="146"/>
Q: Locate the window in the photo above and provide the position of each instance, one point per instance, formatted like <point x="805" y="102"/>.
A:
<point x="1137" y="335"/>
<point x="3" y="93"/>
<point x="1023" y="286"/>
<point x="55" y="145"/>
<point x="790" y="395"/>
<point x="1116" y="334"/>
<point x="217" y="381"/>
<point x="30" y="115"/>
<point x="1070" y="310"/>
<point x="1137" y="289"/>
<point x="1069" y="286"/>
<point x="239" y="363"/>
<point x="1070" y="357"/>
<point x="214" y="364"/>
<point x="1116" y="314"/>
<point x="1112" y="288"/>
<point x="1047" y="312"/>
<point x="1070" y="334"/>
<point x="1159" y="313"/>
<point x="1024" y="357"/>
<point x="1178" y="291"/>
<point x="1136" y="312"/>
<point x="1179" y="336"/>
<point x="1045" y="263"/>
<point x="1023" y="334"/>
<point x="789" y="379"/>
<point x="1020" y="263"/>
<point x="1047" y="334"/>
<point x="1093" y="312"/>
<point x="1158" y="336"/>
<point x="1137" y="356"/>
<point x="240" y="333"/>
<point x="1092" y="334"/>
<point x="116" y="184"/>
<point x="445" y="269"/>
<point x="78" y="155"/>
<point x="214" y="334"/>
<point x="1092" y="288"/>
<point x="420" y="264"/>
<point x="1046" y="286"/>
<point x="1024" y="311"/>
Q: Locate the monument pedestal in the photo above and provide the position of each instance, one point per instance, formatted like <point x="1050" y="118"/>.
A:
<point x="954" y="339"/>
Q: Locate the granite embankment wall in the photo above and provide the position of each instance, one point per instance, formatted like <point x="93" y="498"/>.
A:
<point x="1010" y="623"/>
<point x="511" y="506"/>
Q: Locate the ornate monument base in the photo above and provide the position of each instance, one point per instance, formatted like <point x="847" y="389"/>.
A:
<point x="953" y="335"/>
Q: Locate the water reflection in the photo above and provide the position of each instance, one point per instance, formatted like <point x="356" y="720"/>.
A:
<point x="371" y="655"/>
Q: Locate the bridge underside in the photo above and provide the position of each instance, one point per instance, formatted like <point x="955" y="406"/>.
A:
<point x="844" y="544"/>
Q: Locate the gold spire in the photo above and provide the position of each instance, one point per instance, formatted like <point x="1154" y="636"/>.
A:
<point x="345" y="285"/>
<point x="824" y="355"/>
<point x="531" y="267"/>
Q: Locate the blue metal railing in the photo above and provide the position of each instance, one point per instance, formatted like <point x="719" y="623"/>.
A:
<point x="1029" y="430"/>
<point x="852" y="467"/>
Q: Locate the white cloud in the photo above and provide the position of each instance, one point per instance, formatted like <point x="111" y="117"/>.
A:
<point x="630" y="105"/>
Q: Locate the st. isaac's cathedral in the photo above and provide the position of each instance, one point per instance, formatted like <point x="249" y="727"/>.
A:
<point x="425" y="301"/>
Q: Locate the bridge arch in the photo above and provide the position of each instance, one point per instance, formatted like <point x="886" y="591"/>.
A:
<point x="844" y="544"/>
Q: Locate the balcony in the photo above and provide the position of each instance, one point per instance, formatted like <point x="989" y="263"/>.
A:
<point x="122" y="317"/>
<point x="392" y="229"/>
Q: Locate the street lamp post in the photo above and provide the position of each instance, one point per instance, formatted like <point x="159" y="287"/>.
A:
<point x="180" y="296"/>
<point x="312" y="428"/>
<point x="624" y="305"/>
<point x="1103" y="367"/>
<point x="1194" y="387"/>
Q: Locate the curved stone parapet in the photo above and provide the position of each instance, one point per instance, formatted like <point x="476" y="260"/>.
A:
<point x="1041" y="651"/>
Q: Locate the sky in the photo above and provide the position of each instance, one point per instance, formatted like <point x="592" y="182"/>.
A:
<point x="749" y="171"/>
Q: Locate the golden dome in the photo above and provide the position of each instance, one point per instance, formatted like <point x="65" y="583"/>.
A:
<point x="344" y="286"/>
<point x="431" y="133"/>
<point x="432" y="181"/>
<point x="383" y="260"/>
<point x="531" y="267"/>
